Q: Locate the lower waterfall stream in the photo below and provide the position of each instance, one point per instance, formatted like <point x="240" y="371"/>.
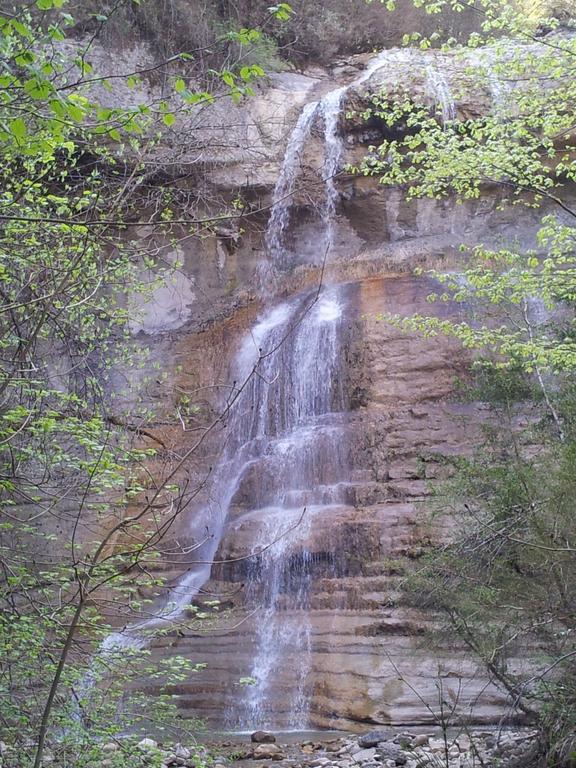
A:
<point x="294" y="401"/>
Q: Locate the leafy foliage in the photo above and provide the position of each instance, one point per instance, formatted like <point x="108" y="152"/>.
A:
<point x="506" y="584"/>
<point x="80" y="531"/>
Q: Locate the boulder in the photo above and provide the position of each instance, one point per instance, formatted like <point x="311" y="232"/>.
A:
<point x="464" y="743"/>
<point x="147" y="744"/>
<point x="365" y="755"/>
<point x="171" y="761"/>
<point x="373" y="738"/>
<point x="436" y="745"/>
<point x="390" y="751"/>
<point x="268" y="752"/>
<point x="263" y="737"/>
<point x="404" y="740"/>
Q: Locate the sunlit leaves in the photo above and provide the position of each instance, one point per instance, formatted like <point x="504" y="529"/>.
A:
<point x="282" y="11"/>
<point x="519" y="151"/>
<point x="47" y="5"/>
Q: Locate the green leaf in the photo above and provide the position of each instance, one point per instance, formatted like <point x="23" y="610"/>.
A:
<point x="282" y="11"/>
<point x="38" y="89"/>
<point x="168" y="119"/>
<point x="18" y="128"/>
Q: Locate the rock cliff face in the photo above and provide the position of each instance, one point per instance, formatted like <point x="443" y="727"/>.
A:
<point x="316" y="503"/>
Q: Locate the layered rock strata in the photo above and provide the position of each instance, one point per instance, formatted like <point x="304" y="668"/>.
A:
<point x="364" y="519"/>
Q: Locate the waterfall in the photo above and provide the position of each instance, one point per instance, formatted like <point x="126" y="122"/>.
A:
<point x="441" y="93"/>
<point x="299" y="448"/>
<point x="286" y="424"/>
<point x="499" y="91"/>
<point x="282" y="197"/>
<point x="331" y="109"/>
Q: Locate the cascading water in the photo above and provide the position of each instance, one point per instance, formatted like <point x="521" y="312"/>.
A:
<point x="331" y="110"/>
<point x="282" y="197"/>
<point x="440" y="91"/>
<point x="330" y="107"/>
<point x="299" y="446"/>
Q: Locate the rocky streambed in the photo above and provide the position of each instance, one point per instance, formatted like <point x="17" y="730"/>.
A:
<point x="382" y="748"/>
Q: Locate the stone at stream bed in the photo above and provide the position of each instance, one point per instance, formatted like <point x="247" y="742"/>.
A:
<point x="390" y="751"/>
<point x="464" y="743"/>
<point x="403" y="740"/>
<point x="147" y="744"/>
<point x="365" y="755"/>
<point x="436" y="745"/>
<point x="171" y="761"/>
<point x="373" y="738"/>
<point x="268" y="752"/>
<point x="262" y="737"/>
